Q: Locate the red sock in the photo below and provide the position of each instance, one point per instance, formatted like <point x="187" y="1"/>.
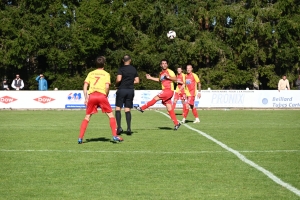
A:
<point x="195" y="112"/>
<point x="173" y="117"/>
<point x="83" y="126"/>
<point x="183" y="108"/>
<point x="113" y="126"/>
<point x="148" y="104"/>
<point x="186" y="112"/>
<point x="173" y="105"/>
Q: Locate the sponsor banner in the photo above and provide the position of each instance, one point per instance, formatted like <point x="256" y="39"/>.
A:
<point x="227" y="98"/>
<point x="275" y="99"/>
<point x="209" y="99"/>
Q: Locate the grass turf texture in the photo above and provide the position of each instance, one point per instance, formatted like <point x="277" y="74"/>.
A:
<point x="40" y="157"/>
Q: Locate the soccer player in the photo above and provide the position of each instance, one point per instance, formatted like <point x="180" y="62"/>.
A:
<point x="180" y="91"/>
<point x="166" y="77"/>
<point x="126" y="78"/>
<point x="191" y="82"/>
<point x="98" y="82"/>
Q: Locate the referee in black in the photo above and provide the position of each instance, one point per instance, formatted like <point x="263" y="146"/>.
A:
<point x="126" y="78"/>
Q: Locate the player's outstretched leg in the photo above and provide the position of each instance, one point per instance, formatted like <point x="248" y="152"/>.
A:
<point x="138" y="108"/>
<point x="174" y="105"/>
<point x="148" y="104"/>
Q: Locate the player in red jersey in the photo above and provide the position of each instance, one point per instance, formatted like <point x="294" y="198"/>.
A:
<point x="166" y="77"/>
<point x="191" y="82"/>
<point x="98" y="82"/>
<point x="180" y="91"/>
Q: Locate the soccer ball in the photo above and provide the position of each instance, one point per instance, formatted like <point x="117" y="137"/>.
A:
<point x="171" y="34"/>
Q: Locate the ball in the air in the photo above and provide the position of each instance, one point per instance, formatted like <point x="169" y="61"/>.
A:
<point x="171" y="34"/>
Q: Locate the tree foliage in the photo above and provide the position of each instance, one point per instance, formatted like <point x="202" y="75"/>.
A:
<point x="231" y="44"/>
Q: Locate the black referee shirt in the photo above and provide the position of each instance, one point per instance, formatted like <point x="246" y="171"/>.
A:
<point x="128" y="73"/>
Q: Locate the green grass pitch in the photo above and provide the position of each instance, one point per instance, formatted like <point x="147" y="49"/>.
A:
<point x="40" y="157"/>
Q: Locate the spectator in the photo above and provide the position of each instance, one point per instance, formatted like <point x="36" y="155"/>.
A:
<point x="5" y="85"/>
<point x="283" y="84"/>
<point x="17" y="83"/>
<point x="298" y="83"/>
<point x="43" y="85"/>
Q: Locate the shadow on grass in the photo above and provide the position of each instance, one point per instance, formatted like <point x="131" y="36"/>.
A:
<point x="165" y="128"/>
<point x="188" y="121"/>
<point x="100" y="139"/>
<point x="178" y="113"/>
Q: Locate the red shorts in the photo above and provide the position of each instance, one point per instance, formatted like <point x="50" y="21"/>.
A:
<point x="179" y="96"/>
<point x="191" y="100"/>
<point x="166" y="96"/>
<point x="97" y="99"/>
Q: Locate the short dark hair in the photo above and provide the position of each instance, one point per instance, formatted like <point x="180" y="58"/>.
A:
<point x="164" y="60"/>
<point x="126" y="58"/>
<point x="100" y="61"/>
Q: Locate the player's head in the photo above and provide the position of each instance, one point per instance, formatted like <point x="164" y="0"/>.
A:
<point x="100" y="61"/>
<point x="189" y="69"/>
<point x="179" y="70"/>
<point x="127" y="59"/>
<point x="164" y="63"/>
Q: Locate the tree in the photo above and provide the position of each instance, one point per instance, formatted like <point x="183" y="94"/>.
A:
<point x="231" y="44"/>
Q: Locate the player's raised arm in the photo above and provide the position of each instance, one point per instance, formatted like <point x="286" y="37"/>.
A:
<point x="172" y="78"/>
<point x="149" y="77"/>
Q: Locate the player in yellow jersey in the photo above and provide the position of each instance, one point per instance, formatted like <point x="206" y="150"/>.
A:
<point x="98" y="82"/>
<point x="191" y="82"/>
<point x="180" y="90"/>
<point x="166" y="77"/>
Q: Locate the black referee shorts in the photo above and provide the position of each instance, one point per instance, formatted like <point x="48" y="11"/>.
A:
<point x="124" y="97"/>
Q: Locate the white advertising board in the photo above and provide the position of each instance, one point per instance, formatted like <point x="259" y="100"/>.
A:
<point x="74" y="99"/>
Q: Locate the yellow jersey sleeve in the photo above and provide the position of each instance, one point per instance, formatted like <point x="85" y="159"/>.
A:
<point x="171" y="73"/>
<point x="197" y="80"/>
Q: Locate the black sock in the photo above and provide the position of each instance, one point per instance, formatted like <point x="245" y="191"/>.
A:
<point x="128" y="119"/>
<point x="118" y="118"/>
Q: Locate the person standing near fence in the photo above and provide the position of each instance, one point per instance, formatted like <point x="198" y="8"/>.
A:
<point x="298" y="82"/>
<point x="17" y="83"/>
<point x="5" y="85"/>
<point x="283" y="84"/>
<point x="42" y="82"/>
<point x="126" y="78"/>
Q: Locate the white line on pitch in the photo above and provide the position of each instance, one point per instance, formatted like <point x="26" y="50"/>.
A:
<point x="244" y="159"/>
<point x="149" y="152"/>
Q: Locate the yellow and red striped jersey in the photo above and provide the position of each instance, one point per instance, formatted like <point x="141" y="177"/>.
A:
<point x="191" y="81"/>
<point x="166" y="83"/>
